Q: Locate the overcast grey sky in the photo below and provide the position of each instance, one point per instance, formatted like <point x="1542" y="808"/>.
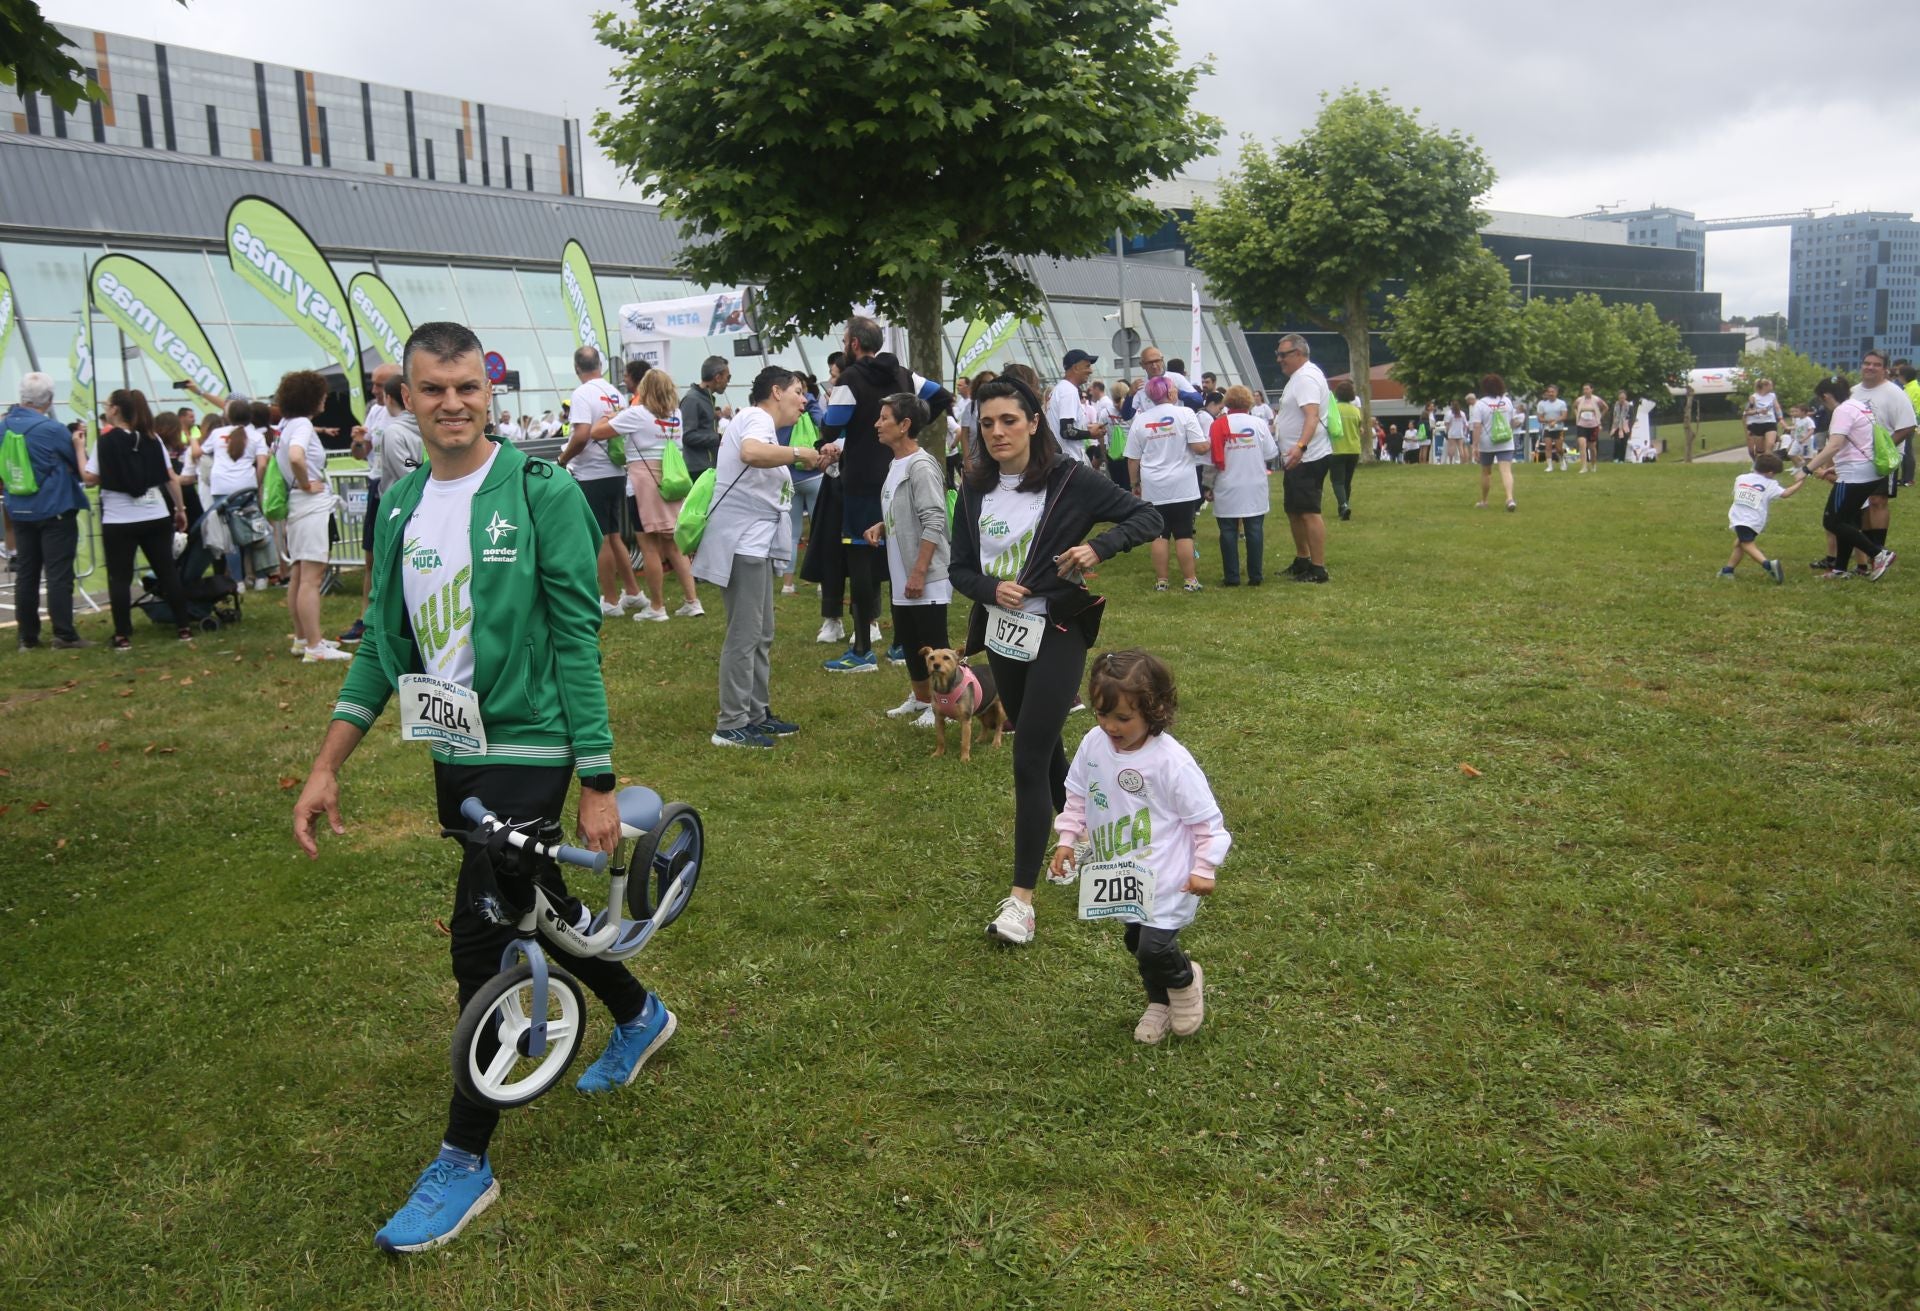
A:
<point x="1724" y="109"/>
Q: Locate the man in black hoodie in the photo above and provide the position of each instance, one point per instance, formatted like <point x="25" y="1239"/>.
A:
<point x="867" y="377"/>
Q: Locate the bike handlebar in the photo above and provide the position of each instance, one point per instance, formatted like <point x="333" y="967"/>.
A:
<point x="477" y="814"/>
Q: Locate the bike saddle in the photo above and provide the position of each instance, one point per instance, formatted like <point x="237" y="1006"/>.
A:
<point x="639" y="810"/>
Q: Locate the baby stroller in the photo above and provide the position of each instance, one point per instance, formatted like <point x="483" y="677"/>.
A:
<point x="213" y="600"/>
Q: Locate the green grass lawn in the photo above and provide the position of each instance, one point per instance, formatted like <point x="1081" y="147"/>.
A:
<point x="1626" y="1020"/>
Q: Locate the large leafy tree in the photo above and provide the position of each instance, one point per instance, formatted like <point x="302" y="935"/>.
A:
<point x="1660" y="357"/>
<point x="839" y="151"/>
<point x="1793" y="374"/>
<point x="1450" y="329"/>
<point x="1571" y="342"/>
<point x="1311" y="229"/>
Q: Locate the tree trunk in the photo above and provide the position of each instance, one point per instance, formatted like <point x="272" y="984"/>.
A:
<point x="1353" y="326"/>
<point x="1689" y="416"/>
<point x="927" y="345"/>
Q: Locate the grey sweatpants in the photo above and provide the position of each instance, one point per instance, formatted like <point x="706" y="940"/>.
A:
<point x="745" y="655"/>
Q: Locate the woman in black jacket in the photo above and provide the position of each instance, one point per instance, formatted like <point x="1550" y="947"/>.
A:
<point x="1018" y="551"/>
<point x="140" y="510"/>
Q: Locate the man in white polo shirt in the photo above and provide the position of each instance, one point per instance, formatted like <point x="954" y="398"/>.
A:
<point x="1306" y="454"/>
<point x="603" y="478"/>
<point x="1893" y="410"/>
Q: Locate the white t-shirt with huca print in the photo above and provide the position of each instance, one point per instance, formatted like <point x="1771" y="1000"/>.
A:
<point x="1009" y="520"/>
<point x="1140" y="805"/>
<point x="436" y="571"/>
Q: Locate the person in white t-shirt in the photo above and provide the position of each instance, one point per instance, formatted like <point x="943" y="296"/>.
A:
<point x="1893" y="410"/>
<point x="1494" y="420"/>
<point x="507" y="430"/>
<point x="1063" y="407"/>
<point x="650" y="425"/>
<point x="310" y="504"/>
<point x="239" y="462"/>
<point x="1847" y="462"/>
<point x="599" y="465"/>
<point x="1139" y="813"/>
<point x="1754" y="492"/>
<point x="746" y="547"/>
<point x="1241" y="446"/>
<point x="1761" y="414"/>
<point x="1162" y="441"/>
<point x="1306" y="454"/>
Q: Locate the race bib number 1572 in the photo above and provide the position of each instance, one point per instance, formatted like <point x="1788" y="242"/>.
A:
<point x="435" y="710"/>
<point x="1014" y="634"/>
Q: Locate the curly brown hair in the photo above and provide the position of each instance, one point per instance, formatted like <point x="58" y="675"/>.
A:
<point x="1142" y="678"/>
<point x="301" y="394"/>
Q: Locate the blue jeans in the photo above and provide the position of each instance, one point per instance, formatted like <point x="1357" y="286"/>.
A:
<point x="804" y="495"/>
<point x="1255" y="529"/>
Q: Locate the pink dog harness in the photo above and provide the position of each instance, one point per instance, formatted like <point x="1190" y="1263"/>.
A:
<point x="949" y="703"/>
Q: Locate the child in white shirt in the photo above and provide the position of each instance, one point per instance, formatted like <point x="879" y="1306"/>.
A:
<point x="1800" y="436"/>
<point x="1753" y="493"/>
<point x="1137" y="802"/>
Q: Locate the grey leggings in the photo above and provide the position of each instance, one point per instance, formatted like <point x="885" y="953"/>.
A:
<point x="1162" y="964"/>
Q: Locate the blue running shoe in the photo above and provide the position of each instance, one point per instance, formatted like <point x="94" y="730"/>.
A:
<point x="853" y="664"/>
<point x="629" y="1048"/>
<point x="897" y="654"/>
<point x="446" y="1196"/>
<point x="774" y="726"/>
<point x="741" y="737"/>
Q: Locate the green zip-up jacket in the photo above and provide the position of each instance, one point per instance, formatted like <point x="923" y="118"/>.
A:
<point x="536" y="619"/>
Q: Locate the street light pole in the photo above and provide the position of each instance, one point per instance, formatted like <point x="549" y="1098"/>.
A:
<point x="1528" y="261"/>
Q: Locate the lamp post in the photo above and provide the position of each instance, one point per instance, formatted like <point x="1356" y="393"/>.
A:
<point x="1528" y="261"/>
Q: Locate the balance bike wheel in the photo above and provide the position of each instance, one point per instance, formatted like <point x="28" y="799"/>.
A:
<point x="675" y="846"/>
<point x="490" y="1064"/>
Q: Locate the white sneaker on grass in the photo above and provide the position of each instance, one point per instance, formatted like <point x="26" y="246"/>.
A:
<point x="316" y="654"/>
<point x="611" y="611"/>
<point x="690" y="610"/>
<point x="831" y="630"/>
<point x="632" y="601"/>
<point x="1881" y="563"/>
<point x="925" y="720"/>
<point x="651" y="616"/>
<point x="913" y="705"/>
<point x="873" y="636"/>
<point x="1012" y="923"/>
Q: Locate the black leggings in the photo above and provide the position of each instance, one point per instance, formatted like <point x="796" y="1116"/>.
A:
<point x="866" y="572"/>
<point x="1844" y="505"/>
<point x="1037" y="695"/>
<point x="1342" y="471"/>
<point x="153" y="538"/>
<point x="1162" y="964"/>
<point x="517" y="792"/>
<point x="915" y="626"/>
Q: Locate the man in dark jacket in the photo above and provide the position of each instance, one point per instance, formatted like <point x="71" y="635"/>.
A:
<point x="700" y="418"/>
<point x="867" y="377"/>
<point x="46" y="522"/>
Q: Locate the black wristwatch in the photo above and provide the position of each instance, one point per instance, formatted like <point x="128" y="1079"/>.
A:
<point x="598" y="782"/>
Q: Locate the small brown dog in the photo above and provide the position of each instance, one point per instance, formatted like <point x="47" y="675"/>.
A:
<point x="964" y="693"/>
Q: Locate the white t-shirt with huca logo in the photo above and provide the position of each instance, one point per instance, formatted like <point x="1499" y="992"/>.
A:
<point x="436" y="571"/>
<point x="1009" y="519"/>
<point x="1141" y="806"/>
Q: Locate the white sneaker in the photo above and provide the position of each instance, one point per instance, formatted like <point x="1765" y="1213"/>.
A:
<point x="259" y="584"/>
<point x="1013" y="924"/>
<point x="651" y="616"/>
<point x="925" y="720"/>
<point x="832" y="630"/>
<point x="874" y="639"/>
<point x="611" y="611"/>
<point x="317" y="654"/>
<point x="632" y="601"/>
<point x="788" y="589"/>
<point x="913" y="705"/>
<point x="300" y="648"/>
<point x="691" y="610"/>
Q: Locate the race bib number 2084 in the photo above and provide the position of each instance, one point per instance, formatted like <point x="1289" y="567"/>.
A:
<point x="435" y="710"/>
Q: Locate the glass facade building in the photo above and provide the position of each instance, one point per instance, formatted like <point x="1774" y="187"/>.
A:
<point x="195" y="102"/>
<point x="1855" y="287"/>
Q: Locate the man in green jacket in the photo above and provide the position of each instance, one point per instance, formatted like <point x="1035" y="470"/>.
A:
<point x="485" y="617"/>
